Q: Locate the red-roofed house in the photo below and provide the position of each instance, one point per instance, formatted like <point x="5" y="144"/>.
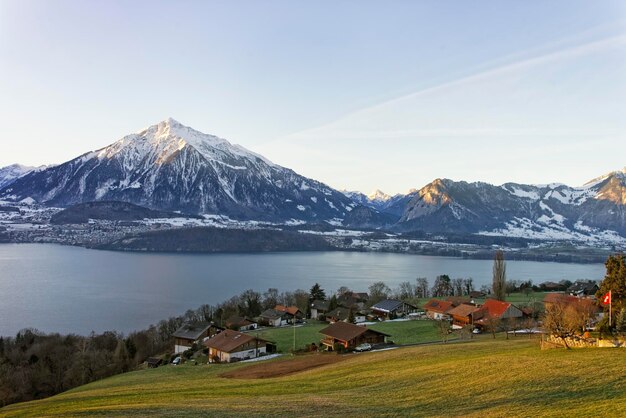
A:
<point x="437" y="309"/>
<point x="496" y="309"/>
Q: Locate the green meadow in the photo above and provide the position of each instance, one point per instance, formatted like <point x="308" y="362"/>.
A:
<point x="401" y="332"/>
<point x="483" y="377"/>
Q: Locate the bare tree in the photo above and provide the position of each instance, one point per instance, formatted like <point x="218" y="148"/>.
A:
<point x="499" y="276"/>
<point x="457" y="286"/>
<point x="421" y="287"/>
<point x="492" y="323"/>
<point x="443" y="329"/>
<point x="564" y="320"/>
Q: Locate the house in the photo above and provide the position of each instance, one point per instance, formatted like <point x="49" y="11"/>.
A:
<point x="437" y="309"/>
<point x="293" y="312"/>
<point x="319" y="308"/>
<point x="273" y="318"/>
<point x="462" y="315"/>
<point x="341" y="314"/>
<point x="583" y="288"/>
<point x="229" y="345"/>
<point x="391" y="308"/>
<point x="498" y="309"/>
<point x="239" y="323"/>
<point x="190" y="333"/>
<point x="350" y="335"/>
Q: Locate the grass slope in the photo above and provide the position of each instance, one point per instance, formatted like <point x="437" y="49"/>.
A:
<point x="487" y="377"/>
<point x="402" y="332"/>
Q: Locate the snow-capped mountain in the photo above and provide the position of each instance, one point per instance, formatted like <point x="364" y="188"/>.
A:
<point x="170" y="166"/>
<point x="593" y="212"/>
<point x="381" y="201"/>
<point x="13" y="172"/>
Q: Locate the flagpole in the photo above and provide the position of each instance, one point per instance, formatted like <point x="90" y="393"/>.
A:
<point x="610" y="306"/>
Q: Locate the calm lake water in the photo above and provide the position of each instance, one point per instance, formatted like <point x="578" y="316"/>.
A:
<point x="67" y="289"/>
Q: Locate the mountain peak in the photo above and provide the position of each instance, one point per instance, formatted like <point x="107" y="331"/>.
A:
<point x="379" y="195"/>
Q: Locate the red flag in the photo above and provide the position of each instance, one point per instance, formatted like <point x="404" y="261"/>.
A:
<point x="606" y="299"/>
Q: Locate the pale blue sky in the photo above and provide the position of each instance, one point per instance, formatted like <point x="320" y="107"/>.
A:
<point x="358" y="94"/>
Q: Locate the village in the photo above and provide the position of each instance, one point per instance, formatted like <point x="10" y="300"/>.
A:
<point x="350" y="323"/>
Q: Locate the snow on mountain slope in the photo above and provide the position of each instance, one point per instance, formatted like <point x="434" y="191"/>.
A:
<point x="13" y="172"/>
<point x="170" y="166"/>
<point x="594" y="212"/>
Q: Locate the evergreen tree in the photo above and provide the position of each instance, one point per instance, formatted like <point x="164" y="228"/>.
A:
<point x="317" y="293"/>
<point x="615" y="282"/>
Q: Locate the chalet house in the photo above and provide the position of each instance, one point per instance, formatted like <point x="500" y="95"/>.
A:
<point x="583" y="288"/>
<point x="493" y="308"/>
<point x="462" y="315"/>
<point x="231" y="345"/>
<point x="437" y="309"/>
<point x="190" y="333"/>
<point x="293" y="312"/>
<point x="319" y="308"/>
<point x="273" y="318"/>
<point x="239" y="323"/>
<point x="350" y="335"/>
<point x="391" y="308"/>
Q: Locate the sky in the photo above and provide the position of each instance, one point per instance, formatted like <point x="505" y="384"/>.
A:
<point x="361" y="95"/>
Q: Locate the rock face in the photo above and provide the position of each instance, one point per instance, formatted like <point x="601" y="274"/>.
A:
<point x="595" y="211"/>
<point x="169" y="166"/>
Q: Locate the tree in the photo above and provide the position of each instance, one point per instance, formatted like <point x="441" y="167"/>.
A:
<point x="342" y="290"/>
<point x="378" y="291"/>
<point x="468" y="284"/>
<point x="499" y="276"/>
<point x="421" y="287"/>
<point x="270" y="298"/>
<point x="442" y="328"/>
<point x="564" y="320"/>
<point x="405" y="290"/>
<point x="442" y="286"/>
<point x="492" y="323"/>
<point x="615" y="282"/>
<point x="317" y="293"/>
<point x="457" y="286"/>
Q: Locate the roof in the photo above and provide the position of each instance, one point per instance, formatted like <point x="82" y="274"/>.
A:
<point x="495" y="308"/>
<point x="346" y="332"/>
<point x="291" y="310"/>
<point x="436" y="305"/>
<point x="239" y="321"/>
<point x="559" y="298"/>
<point x="463" y="310"/>
<point x="229" y="340"/>
<point x="569" y="299"/>
<point x="389" y="305"/>
<point x="320" y="304"/>
<point x="458" y="300"/>
<point x="191" y="331"/>
<point x="581" y="287"/>
<point x="272" y="314"/>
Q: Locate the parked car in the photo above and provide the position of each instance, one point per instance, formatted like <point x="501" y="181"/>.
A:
<point x="176" y="361"/>
<point x="363" y="347"/>
<point x="476" y="331"/>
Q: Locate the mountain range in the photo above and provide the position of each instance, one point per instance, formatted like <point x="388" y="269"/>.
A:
<point x="171" y="167"/>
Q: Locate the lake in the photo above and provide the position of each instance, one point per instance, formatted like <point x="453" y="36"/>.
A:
<point x="66" y="289"/>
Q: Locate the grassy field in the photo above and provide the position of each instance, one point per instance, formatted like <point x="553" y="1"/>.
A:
<point x="479" y="378"/>
<point x="402" y="332"/>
